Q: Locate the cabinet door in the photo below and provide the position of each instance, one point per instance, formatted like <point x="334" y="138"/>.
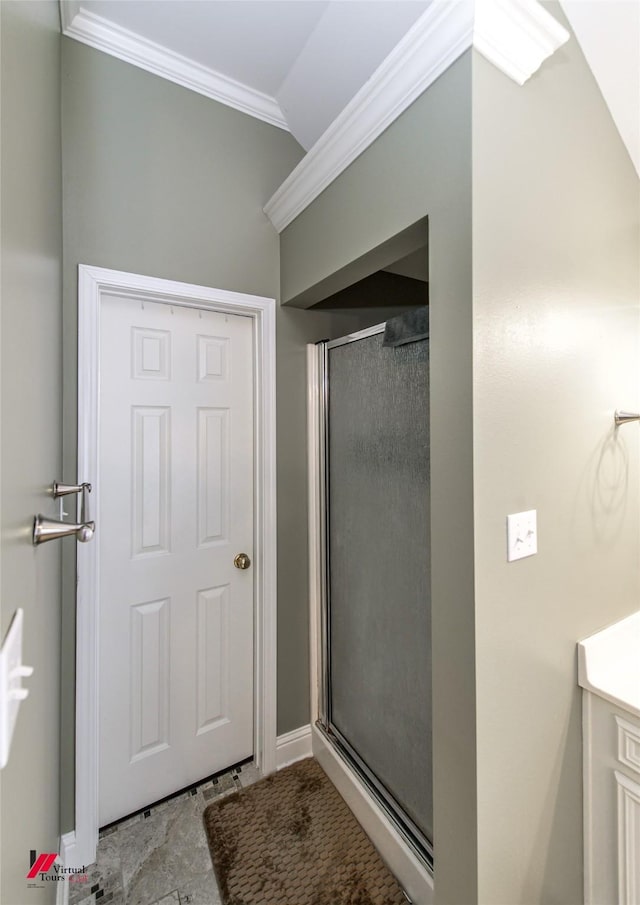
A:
<point x="628" y="840"/>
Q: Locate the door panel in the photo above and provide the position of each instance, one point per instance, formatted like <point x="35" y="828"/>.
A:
<point x="176" y="490"/>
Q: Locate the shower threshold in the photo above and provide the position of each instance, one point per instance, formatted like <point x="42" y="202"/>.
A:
<point x="414" y="838"/>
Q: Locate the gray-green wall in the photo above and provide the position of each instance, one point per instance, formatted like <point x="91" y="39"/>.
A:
<point x="421" y="166"/>
<point x="534" y="343"/>
<point x="534" y="333"/>
<point x="161" y="181"/>
<point x="556" y="281"/>
<point x="30" y="376"/>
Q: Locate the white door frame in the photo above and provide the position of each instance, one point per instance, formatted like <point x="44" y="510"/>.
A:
<point x="93" y="284"/>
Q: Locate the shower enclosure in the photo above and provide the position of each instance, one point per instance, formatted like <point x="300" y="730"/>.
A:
<point x="375" y="696"/>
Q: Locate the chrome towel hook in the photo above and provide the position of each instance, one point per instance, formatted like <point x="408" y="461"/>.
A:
<point x="45" y="529"/>
<point x="625" y="418"/>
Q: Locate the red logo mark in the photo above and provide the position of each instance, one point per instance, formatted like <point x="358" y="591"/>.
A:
<point x="41" y="865"/>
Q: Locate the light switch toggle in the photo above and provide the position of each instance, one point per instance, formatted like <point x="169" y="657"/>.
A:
<point x="522" y="535"/>
<point x="20" y="672"/>
<point x="12" y="694"/>
<point x="18" y="694"/>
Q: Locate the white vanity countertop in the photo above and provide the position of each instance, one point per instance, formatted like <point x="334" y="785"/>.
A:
<point x="609" y="663"/>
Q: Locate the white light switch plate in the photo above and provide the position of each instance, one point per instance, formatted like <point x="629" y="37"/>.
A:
<point x="11" y="691"/>
<point x="522" y="535"/>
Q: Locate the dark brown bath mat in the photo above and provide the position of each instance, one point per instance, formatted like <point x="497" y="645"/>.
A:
<point x="291" y="840"/>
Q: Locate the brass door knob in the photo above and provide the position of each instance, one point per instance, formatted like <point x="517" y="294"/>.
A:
<point x="241" y="561"/>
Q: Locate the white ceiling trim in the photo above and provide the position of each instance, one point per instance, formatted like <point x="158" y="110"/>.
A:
<point x="517" y="36"/>
<point x="68" y="10"/>
<point x="430" y="46"/>
<point x="119" y="42"/>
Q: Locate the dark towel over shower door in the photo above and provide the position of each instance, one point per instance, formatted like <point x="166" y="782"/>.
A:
<point x="378" y="550"/>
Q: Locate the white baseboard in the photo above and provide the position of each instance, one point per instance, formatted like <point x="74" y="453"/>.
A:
<point x="305" y="742"/>
<point x="290" y="747"/>
<point x="62" y="892"/>
<point x="411" y="873"/>
<point x="66" y="851"/>
<point x="293" y="746"/>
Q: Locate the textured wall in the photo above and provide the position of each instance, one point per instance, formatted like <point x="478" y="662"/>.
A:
<point x="524" y="380"/>
<point x="556" y="349"/>
<point x="421" y="165"/>
<point x="161" y="181"/>
<point x="30" y="373"/>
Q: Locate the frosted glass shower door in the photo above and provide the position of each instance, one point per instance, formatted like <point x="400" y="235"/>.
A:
<point x="378" y="617"/>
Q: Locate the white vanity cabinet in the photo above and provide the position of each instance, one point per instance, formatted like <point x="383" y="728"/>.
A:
<point x="611" y="739"/>
<point x="609" y="673"/>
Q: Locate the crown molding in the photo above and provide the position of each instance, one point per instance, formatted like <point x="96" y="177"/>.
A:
<point x="88" y="28"/>
<point x="515" y="35"/>
<point x="69" y="9"/>
<point x="430" y="46"/>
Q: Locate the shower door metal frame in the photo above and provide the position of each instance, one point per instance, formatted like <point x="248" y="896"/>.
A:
<point x="412" y="834"/>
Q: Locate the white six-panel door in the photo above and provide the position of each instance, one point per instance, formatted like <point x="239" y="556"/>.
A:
<point x="176" y="489"/>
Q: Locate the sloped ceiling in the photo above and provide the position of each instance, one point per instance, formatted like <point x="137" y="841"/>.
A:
<point x="609" y="35"/>
<point x="297" y="63"/>
<point x="255" y="43"/>
<point x="302" y="60"/>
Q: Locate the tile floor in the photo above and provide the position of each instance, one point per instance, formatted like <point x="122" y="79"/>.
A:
<point x="160" y="857"/>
